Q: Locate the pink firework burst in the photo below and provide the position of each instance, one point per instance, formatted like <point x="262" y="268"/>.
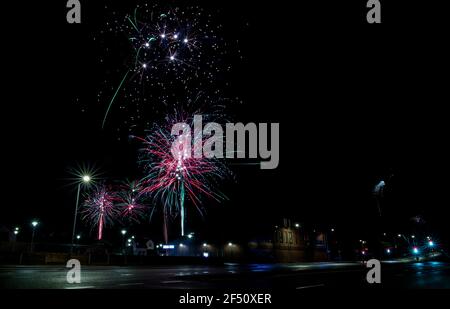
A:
<point x="174" y="174"/>
<point x="131" y="201"/>
<point x="99" y="209"/>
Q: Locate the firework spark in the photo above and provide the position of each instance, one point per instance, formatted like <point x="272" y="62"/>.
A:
<point x="99" y="209"/>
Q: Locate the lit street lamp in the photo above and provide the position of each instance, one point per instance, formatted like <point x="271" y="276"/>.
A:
<point x="85" y="179"/>
<point x="34" y="223"/>
<point x="123" y="232"/>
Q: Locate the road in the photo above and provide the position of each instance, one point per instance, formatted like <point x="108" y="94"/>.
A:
<point x="294" y="276"/>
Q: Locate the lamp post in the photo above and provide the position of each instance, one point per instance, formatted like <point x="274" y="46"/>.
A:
<point x="16" y="232"/>
<point x="84" y="180"/>
<point x="34" y="223"/>
<point x="123" y="232"/>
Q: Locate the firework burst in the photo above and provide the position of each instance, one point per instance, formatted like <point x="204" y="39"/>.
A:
<point x="174" y="174"/>
<point x="99" y="209"/>
<point x="165" y="48"/>
<point x="131" y="201"/>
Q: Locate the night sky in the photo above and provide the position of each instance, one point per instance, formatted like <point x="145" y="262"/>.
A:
<point x="356" y="103"/>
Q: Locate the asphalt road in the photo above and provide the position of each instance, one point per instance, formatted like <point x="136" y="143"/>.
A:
<point x="294" y="276"/>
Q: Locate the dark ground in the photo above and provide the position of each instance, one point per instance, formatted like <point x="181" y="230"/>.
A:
<point x="278" y="276"/>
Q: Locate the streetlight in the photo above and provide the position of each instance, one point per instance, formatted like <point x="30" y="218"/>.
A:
<point x="123" y="232"/>
<point x="416" y="250"/>
<point x="297" y="225"/>
<point x="430" y="243"/>
<point x="85" y="179"/>
<point x="34" y="223"/>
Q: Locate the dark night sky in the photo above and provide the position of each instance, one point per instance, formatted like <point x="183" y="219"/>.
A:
<point x="355" y="103"/>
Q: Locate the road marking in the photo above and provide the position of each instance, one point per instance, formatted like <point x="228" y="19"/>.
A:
<point x="172" y="281"/>
<point x="80" y="287"/>
<point x="309" y="286"/>
<point x="136" y="283"/>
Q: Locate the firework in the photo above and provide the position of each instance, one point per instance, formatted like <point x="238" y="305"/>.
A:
<point x="131" y="202"/>
<point x="166" y="49"/>
<point x="174" y="175"/>
<point x="99" y="209"/>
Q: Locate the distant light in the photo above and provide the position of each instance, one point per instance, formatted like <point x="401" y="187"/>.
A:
<point x="132" y="237"/>
<point x="185" y="40"/>
<point x="78" y="236"/>
<point x="86" y="178"/>
<point x="384" y="234"/>
<point x="144" y="65"/>
<point x="34" y="223"/>
<point x="16" y="228"/>
<point x="168" y="246"/>
<point x="415" y="250"/>
<point x="360" y="240"/>
<point x="205" y="245"/>
<point x="399" y="235"/>
<point x="163" y="35"/>
<point x="16" y="232"/>
<point x="363" y="252"/>
<point x="123" y="232"/>
<point x="205" y="254"/>
<point x="412" y="236"/>
<point x="175" y="36"/>
<point x="129" y="240"/>
<point x="190" y="236"/>
<point x="147" y="44"/>
<point x="431" y="243"/>
<point x="388" y="251"/>
<point x="332" y="230"/>
<point x="230" y="244"/>
<point x="172" y="57"/>
<point x="181" y="245"/>
<point x="297" y="225"/>
<point x="157" y="246"/>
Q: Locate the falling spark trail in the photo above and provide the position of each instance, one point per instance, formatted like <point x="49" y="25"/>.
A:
<point x="113" y="98"/>
<point x="133" y="23"/>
